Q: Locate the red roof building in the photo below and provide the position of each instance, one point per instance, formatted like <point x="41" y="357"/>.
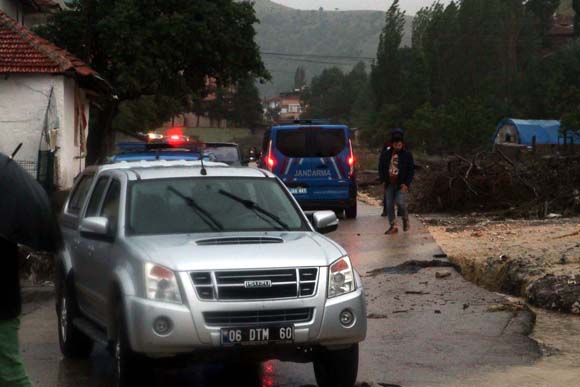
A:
<point x="45" y="94"/>
<point x="22" y="51"/>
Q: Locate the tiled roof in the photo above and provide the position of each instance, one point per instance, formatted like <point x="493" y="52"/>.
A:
<point x="47" y="3"/>
<point x="22" y="51"/>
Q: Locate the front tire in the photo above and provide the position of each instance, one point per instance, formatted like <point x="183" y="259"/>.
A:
<point x="130" y="369"/>
<point x="73" y="343"/>
<point x="351" y="212"/>
<point x="336" y="368"/>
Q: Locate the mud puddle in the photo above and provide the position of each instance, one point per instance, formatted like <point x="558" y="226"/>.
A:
<point x="559" y="337"/>
<point x="413" y="267"/>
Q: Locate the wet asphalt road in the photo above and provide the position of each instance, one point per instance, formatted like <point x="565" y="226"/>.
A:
<point x="423" y="330"/>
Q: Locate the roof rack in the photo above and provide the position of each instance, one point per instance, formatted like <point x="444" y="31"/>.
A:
<point x="313" y="121"/>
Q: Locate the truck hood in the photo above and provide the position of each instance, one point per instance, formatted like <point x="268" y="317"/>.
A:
<point x="224" y="251"/>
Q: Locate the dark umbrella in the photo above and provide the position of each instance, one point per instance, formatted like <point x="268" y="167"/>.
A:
<point x="26" y="216"/>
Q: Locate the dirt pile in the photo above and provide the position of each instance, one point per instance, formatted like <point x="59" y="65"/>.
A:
<point x="529" y="187"/>
<point x="538" y="260"/>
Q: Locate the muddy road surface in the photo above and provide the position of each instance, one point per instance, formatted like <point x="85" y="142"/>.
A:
<point x="427" y="326"/>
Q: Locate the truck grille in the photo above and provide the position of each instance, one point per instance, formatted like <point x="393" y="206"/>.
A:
<point x="258" y="316"/>
<point x="255" y="284"/>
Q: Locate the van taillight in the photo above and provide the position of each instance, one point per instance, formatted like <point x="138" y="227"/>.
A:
<point x="351" y="160"/>
<point x="270" y="160"/>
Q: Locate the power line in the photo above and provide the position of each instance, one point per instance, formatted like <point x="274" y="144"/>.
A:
<point x="317" y="56"/>
<point x="317" y="62"/>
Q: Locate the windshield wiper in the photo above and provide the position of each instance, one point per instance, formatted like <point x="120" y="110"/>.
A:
<point x="256" y="208"/>
<point x="203" y="214"/>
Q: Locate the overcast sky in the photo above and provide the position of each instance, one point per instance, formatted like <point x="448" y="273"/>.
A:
<point x="411" y="6"/>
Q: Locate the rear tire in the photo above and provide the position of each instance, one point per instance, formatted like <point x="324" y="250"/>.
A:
<point x="351" y="211"/>
<point x="73" y="343"/>
<point x="336" y="368"/>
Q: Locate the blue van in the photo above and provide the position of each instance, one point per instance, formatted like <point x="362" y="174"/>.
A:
<point x="316" y="162"/>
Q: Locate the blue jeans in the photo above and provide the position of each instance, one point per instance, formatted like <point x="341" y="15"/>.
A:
<point x="394" y="195"/>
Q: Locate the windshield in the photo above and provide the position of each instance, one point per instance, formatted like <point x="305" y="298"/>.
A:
<point x="201" y="205"/>
<point x="224" y="153"/>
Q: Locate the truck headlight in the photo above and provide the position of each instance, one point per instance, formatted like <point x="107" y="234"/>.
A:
<point x="340" y="278"/>
<point x="161" y="284"/>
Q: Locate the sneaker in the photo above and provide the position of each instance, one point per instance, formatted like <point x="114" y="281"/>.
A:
<point x="406" y="225"/>
<point x="392" y="230"/>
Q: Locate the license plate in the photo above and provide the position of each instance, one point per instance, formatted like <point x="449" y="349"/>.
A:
<point x="256" y="336"/>
<point x="298" y="191"/>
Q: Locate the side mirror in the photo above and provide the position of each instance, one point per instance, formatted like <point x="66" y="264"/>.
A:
<point x="325" y="221"/>
<point x="96" y="227"/>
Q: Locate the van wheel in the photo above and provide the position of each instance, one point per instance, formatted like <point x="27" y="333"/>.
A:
<point x="73" y="343"/>
<point x="336" y="368"/>
<point x="130" y="368"/>
<point x="351" y="211"/>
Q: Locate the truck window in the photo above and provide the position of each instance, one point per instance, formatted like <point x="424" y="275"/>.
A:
<point x="77" y="199"/>
<point x="110" y="208"/>
<point x="93" y="208"/>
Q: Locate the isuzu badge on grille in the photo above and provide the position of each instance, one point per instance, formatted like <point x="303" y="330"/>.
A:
<point x="258" y="284"/>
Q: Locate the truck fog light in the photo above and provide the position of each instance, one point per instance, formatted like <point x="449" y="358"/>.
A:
<point x="162" y="326"/>
<point x="346" y="318"/>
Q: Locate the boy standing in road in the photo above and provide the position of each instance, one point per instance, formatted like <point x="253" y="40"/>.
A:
<point x="396" y="170"/>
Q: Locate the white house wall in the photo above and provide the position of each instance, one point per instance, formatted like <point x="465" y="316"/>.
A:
<point x="24" y="100"/>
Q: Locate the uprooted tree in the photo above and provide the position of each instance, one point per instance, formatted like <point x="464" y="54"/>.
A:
<point x="157" y="54"/>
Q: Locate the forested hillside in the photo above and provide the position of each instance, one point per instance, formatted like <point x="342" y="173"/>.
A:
<point x="325" y="33"/>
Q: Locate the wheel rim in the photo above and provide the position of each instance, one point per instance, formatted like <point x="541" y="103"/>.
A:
<point x="118" y="358"/>
<point x="63" y="318"/>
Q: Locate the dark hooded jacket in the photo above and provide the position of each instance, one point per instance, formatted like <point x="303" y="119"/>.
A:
<point x="406" y="167"/>
<point x="10" y="303"/>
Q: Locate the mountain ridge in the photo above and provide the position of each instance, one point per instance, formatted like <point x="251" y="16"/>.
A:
<point x="318" y="34"/>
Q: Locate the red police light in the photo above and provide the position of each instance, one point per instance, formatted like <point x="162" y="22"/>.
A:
<point x="175" y="136"/>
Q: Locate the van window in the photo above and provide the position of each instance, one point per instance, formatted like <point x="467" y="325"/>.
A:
<point x="292" y="143"/>
<point x="328" y="142"/>
<point x="311" y="142"/>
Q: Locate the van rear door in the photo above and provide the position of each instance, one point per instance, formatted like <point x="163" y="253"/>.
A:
<point x="313" y="161"/>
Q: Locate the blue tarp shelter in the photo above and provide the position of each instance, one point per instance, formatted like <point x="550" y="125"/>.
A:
<point x="516" y="131"/>
<point x="522" y="132"/>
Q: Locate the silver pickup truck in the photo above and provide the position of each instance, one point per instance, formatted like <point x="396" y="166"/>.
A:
<point x="165" y="261"/>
